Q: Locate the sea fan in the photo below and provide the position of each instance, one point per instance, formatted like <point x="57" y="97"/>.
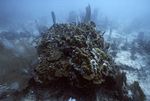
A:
<point x="16" y="66"/>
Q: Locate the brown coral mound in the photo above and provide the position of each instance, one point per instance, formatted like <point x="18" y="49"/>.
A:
<point x="74" y="52"/>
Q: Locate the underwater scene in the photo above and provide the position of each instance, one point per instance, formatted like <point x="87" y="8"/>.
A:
<point x="74" y="50"/>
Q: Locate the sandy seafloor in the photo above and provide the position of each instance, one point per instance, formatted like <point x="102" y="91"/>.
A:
<point x="139" y="68"/>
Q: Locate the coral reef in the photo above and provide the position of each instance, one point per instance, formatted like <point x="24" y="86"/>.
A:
<point x="76" y="52"/>
<point x="73" y="63"/>
<point x="77" y="55"/>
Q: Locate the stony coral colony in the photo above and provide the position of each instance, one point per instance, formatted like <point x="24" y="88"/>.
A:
<point x="75" y="52"/>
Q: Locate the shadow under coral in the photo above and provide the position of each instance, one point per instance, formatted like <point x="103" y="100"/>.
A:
<point x="61" y="90"/>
